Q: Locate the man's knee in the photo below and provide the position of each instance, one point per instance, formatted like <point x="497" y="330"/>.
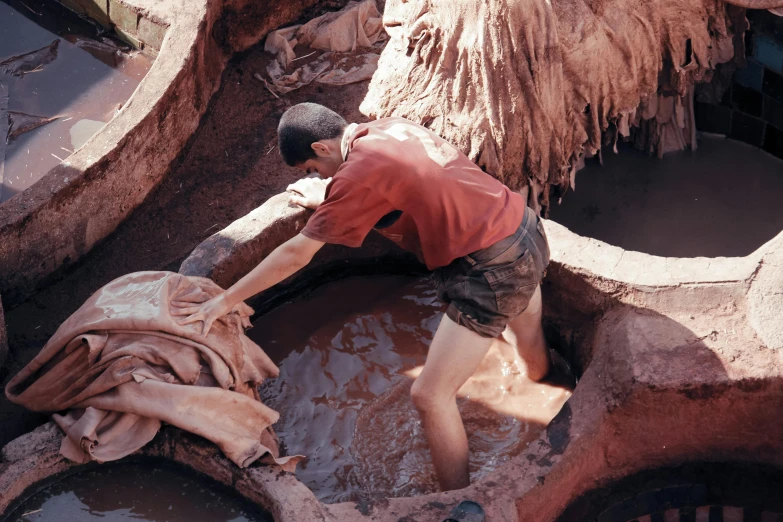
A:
<point x="424" y="397"/>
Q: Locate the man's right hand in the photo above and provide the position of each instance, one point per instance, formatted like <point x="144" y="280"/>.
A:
<point x="308" y="192"/>
<point x="207" y="312"/>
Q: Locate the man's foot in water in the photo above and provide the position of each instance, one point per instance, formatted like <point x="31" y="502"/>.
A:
<point x="467" y="511"/>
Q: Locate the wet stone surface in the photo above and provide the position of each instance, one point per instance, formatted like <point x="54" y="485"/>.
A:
<point x="137" y="491"/>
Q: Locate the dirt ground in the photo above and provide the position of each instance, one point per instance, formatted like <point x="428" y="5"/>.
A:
<point x="230" y="167"/>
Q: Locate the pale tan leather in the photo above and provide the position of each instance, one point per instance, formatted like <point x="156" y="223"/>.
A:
<point x="121" y="365"/>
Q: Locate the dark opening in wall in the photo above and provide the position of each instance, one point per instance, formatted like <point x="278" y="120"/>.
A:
<point x="752" y="107"/>
<point x="688" y="52"/>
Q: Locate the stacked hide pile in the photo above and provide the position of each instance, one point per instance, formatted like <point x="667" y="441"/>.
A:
<point x="351" y="37"/>
<point x="122" y="364"/>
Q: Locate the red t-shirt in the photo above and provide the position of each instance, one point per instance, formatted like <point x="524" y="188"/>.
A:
<point x="445" y="206"/>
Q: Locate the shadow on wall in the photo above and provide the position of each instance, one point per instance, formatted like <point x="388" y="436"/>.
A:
<point x="652" y="393"/>
<point x="751" y="107"/>
<point x="711" y="489"/>
<point x="3" y="339"/>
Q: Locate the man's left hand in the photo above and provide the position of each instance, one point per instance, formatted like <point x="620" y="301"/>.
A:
<point x="308" y="192"/>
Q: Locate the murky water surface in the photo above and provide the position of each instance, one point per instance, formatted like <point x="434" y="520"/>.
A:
<point x="721" y="200"/>
<point x="60" y="82"/>
<point x="136" y="492"/>
<point x="348" y="354"/>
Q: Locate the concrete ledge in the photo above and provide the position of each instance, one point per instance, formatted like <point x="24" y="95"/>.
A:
<point x="625" y="266"/>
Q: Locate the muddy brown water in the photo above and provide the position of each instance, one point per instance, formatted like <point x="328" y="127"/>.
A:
<point x="348" y="354"/>
<point x="136" y="492"/>
<point x="721" y="200"/>
<point x="74" y="74"/>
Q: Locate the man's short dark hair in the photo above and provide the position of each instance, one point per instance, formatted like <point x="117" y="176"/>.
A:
<point x="301" y="126"/>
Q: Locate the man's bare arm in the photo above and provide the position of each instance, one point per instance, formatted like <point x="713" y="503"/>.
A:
<point x="284" y="261"/>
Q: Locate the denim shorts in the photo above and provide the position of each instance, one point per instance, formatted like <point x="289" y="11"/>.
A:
<point x="485" y="290"/>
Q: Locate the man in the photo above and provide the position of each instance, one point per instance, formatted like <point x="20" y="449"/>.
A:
<point x="488" y="249"/>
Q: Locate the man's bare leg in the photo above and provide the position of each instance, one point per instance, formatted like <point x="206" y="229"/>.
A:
<point x="454" y="355"/>
<point x="526" y="334"/>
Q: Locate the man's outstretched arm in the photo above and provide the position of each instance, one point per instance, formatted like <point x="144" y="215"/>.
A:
<point x="284" y="261"/>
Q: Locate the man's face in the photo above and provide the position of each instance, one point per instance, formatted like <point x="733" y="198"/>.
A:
<point x="323" y="167"/>
<point x="327" y="160"/>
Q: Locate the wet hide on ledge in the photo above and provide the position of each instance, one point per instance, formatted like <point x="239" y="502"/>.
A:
<point x="121" y="365"/>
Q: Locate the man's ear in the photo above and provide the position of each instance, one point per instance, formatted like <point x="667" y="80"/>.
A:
<point x="321" y="149"/>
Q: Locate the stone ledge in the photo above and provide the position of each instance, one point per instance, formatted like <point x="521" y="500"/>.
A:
<point x="231" y="253"/>
<point x="98" y="10"/>
<point x="636" y="268"/>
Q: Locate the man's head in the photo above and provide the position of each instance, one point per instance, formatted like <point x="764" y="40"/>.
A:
<point x="309" y="138"/>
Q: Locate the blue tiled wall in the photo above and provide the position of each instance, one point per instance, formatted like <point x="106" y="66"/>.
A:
<point x="752" y="109"/>
<point x="768" y="52"/>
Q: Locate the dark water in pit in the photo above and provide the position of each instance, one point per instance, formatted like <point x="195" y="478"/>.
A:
<point x="721" y="200"/>
<point x="127" y="492"/>
<point x="83" y="83"/>
<point x="348" y="354"/>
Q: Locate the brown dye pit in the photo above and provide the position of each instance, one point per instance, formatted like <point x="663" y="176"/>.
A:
<point x="74" y="75"/>
<point x="720" y="200"/>
<point x="348" y="354"/>
<point x="133" y="492"/>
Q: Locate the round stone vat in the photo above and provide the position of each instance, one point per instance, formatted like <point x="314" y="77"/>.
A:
<point x="679" y="363"/>
<point x="32" y="463"/>
<point x="85" y="197"/>
<point x="677" y="358"/>
<point x="348" y="353"/>
<point x="152" y="489"/>
<point x="720" y="200"/>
